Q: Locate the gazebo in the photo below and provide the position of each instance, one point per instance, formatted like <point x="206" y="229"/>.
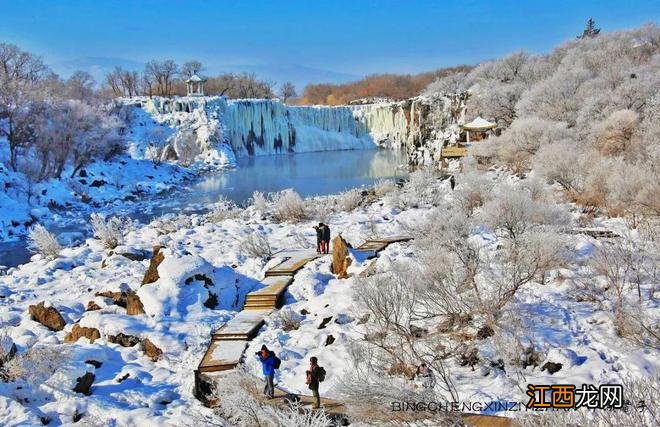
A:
<point x="195" y="85"/>
<point x="481" y="128"/>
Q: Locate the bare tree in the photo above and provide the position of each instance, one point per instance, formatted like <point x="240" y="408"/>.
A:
<point x="287" y="91"/>
<point x="163" y="74"/>
<point x="190" y="68"/>
<point x="80" y="85"/>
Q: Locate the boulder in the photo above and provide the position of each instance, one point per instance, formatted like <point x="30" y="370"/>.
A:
<point x="124" y="340"/>
<point x="325" y="321"/>
<point x="47" y="316"/>
<point x="7" y="349"/>
<point x="551" y="367"/>
<point x="78" y="331"/>
<point x="84" y="384"/>
<point x="151" y="350"/>
<point x="329" y="340"/>
<point x="340" y="257"/>
<point x="118" y="298"/>
<point x="133" y="256"/>
<point x="92" y="305"/>
<point x="152" y="272"/>
<point x="485" y="332"/>
<point x="133" y="304"/>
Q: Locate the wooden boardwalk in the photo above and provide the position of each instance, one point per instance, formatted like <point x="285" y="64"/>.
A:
<point x="229" y="342"/>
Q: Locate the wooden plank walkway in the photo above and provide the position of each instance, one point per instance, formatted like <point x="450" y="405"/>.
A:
<point x="269" y="297"/>
<point x="229" y="342"/>
<point x="377" y="245"/>
<point x="293" y="260"/>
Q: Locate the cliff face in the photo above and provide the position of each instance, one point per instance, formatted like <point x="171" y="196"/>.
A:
<point x="419" y="125"/>
<point x="261" y="127"/>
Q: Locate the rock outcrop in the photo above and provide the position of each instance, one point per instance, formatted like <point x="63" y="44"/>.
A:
<point x="92" y="306"/>
<point x="151" y="350"/>
<point x="124" y="340"/>
<point x="341" y="259"/>
<point x="47" y="316"/>
<point x="133" y="304"/>
<point x="152" y="272"/>
<point x="78" y="331"/>
<point x="84" y="384"/>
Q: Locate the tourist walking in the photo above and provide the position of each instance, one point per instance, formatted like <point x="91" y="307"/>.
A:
<point x="319" y="237"/>
<point x="452" y="182"/>
<point x="326" y="238"/>
<point x="315" y="375"/>
<point x="268" y="366"/>
<point x="425" y="376"/>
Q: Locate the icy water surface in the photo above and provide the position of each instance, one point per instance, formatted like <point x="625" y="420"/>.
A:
<point x="318" y="173"/>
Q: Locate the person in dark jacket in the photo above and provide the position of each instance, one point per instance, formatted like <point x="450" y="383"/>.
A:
<point x="326" y="238"/>
<point x="313" y="381"/>
<point x="452" y="182"/>
<point x="267" y="359"/>
<point x="319" y="237"/>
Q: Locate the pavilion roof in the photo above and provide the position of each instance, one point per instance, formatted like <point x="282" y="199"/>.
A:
<point x="195" y="78"/>
<point x="479" y="124"/>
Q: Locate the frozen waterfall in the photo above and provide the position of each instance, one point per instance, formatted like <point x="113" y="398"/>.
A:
<point x="265" y="126"/>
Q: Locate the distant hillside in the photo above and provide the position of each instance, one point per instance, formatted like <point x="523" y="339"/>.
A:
<point x="395" y="86"/>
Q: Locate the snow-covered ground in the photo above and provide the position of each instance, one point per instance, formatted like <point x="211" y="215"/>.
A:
<point x="121" y="181"/>
<point x="203" y="257"/>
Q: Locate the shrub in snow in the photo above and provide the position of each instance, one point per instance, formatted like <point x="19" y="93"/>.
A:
<point x="186" y="147"/>
<point x="513" y="210"/>
<point x="524" y="138"/>
<point x="289" y="206"/>
<point x="110" y="231"/>
<point x="395" y="331"/>
<point x="260" y="202"/>
<point x="223" y="209"/>
<point x="349" y="200"/>
<point x="241" y="402"/>
<point x="300" y="241"/>
<point x="472" y="191"/>
<point x="289" y="319"/>
<point x="421" y="183"/>
<point x="35" y="365"/>
<point x="255" y="244"/>
<point x="614" y="135"/>
<point x="383" y="186"/>
<point x="43" y="242"/>
<point x="633" y="189"/>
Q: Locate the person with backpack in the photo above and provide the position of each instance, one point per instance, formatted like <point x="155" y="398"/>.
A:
<point x="315" y="375"/>
<point x="269" y="363"/>
<point x="319" y="237"/>
<point x="326" y="238"/>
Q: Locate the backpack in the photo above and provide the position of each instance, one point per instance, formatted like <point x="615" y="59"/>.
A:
<point x="276" y="362"/>
<point x="320" y="374"/>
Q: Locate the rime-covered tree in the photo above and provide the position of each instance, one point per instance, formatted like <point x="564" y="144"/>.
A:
<point x="23" y="81"/>
<point x="80" y="85"/>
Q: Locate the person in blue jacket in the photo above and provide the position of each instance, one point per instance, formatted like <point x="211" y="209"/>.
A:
<point x="267" y="359"/>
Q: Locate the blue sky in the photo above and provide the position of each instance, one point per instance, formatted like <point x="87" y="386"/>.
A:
<point x="355" y="37"/>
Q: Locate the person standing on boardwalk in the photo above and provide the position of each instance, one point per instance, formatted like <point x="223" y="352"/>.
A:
<point x="267" y="359"/>
<point x="326" y="238"/>
<point x="315" y="375"/>
<point x="319" y="237"/>
<point x="452" y="182"/>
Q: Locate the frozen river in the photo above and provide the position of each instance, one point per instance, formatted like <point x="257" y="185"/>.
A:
<point x="317" y="173"/>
